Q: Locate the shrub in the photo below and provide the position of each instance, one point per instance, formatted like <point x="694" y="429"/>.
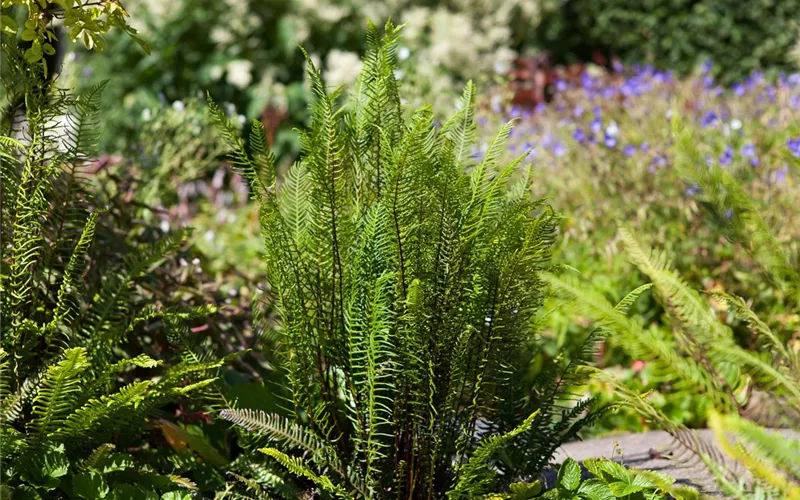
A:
<point x="407" y="291"/>
<point x="677" y="35"/>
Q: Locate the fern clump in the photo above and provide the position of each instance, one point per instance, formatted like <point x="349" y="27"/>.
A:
<point x="407" y="277"/>
<point x="74" y="393"/>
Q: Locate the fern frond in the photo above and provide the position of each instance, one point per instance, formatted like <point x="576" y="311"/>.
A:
<point x="275" y="427"/>
<point x="769" y="456"/>
<point x="300" y="468"/>
<point x="473" y="478"/>
<point x="58" y="391"/>
<point x="67" y="308"/>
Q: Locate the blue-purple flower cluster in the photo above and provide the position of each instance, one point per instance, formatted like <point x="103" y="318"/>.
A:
<point x="623" y="118"/>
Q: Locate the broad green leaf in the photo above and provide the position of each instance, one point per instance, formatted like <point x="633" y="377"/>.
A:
<point x="615" y="470"/>
<point x="595" y="489"/>
<point x="524" y="491"/>
<point x="622" y="489"/>
<point x="89" y="485"/>
<point x="9" y="26"/>
<point x="569" y="475"/>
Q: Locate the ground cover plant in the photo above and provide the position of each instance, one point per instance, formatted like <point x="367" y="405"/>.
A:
<point x="407" y="291"/>
<point x="748" y="388"/>
<point x="606" y="145"/>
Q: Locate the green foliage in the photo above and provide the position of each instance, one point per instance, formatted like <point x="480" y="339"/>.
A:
<point x="611" y="480"/>
<point x="760" y="386"/>
<point x="84" y="21"/>
<point x="407" y="279"/>
<point x="677" y="35"/>
<point x="73" y="388"/>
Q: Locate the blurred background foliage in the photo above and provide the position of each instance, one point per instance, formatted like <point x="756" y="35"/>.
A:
<point x="245" y="51"/>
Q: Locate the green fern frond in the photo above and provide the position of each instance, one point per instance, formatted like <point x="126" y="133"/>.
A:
<point x="67" y="308"/>
<point x="473" y="478"/>
<point x="58" y="391"/>
<point x="275" y="427"/>
<point x="300" y="468"/>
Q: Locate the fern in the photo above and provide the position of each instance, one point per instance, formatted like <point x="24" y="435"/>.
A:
<point x="67" y="312"/>
<point x="408" y="280"/>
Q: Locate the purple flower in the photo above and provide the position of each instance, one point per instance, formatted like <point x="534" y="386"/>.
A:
<point x="709" y="119"/>
<point x="579" y="135"/>
<point x="629" y="150"/>
<point x="707" y="65"/>
<point x="748" y="151"/>
<point x="794" y="146"/>
<point x="577" y="112"/>
<point x="610" y="141"/>
<point x="561" y="85"/>
<point x="539" y="109"/>
<point x="726" y="157"/>
<point x="559" y="149"/>
<point x="515" y="112"/>
<point x="738" y="89"/>
<point x="596" y="125"/>
<point x="644" y="147"/>
<point x="481" y="121"/>
<point x="728" y="214"/>
<point x="692" y="190"/>
<point x="708" y="81"/>
<point x="780" y="174"/>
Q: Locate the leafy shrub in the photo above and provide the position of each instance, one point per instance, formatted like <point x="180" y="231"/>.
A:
<point x="407" y="292"/>
<point x="676" y="35"/>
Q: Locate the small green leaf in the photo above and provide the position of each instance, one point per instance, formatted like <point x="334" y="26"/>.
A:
<point x="114" y="462"/>
<point x="569" y="475"/>
<point x="621" y="489"/>
<point x="27" y="34"/>
<point x="33" y="54"/>
<point x="524" y="491"/>
<point x="595" y="489"/>
<point x="9" y="26"/>
<point x="89" y="485"/>
<point x="176" y="495"/>
<point x="652" y="479"/>
<point x="615" y="470"/>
